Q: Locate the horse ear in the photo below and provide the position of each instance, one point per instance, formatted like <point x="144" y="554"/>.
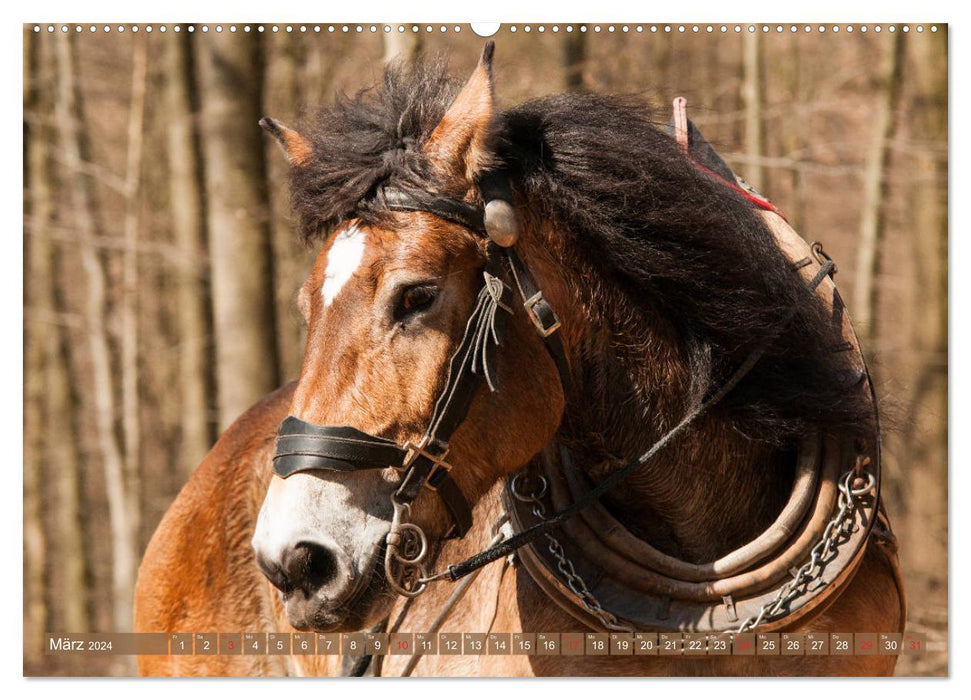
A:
<point x="297" y="148"/>
<point x="458" y="147"/>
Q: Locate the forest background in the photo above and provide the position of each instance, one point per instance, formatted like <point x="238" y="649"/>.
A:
<point x="161" y="266"/>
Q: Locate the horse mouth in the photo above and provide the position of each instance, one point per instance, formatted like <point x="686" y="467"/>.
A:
<point x="352" y="611"/>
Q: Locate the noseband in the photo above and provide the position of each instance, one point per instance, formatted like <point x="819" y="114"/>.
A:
<point x="303" y="446"/>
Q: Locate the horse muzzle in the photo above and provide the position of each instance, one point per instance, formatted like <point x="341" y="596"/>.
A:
<point x="321" y="586"/>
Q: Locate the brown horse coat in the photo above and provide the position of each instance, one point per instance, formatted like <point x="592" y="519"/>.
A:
<point x="198" y="573"/>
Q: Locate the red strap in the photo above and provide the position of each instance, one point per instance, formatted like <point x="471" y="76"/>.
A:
<point x="756" y="200"/>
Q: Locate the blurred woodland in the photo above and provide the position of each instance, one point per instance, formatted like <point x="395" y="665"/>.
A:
<point x="161" y="270"/>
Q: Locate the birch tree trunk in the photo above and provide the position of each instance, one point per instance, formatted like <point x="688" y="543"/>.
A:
<point x="70" y="120"/>
<point x="38" y="211"/>
<point x="874" y="185"/>
<point x="401" y="46"/>
<point x="188" y="224"/>
<point x="231" y="78"/>
<point x="129" y="303"/>
<point x="574" y="61"/>
<point x="752" y="97"/>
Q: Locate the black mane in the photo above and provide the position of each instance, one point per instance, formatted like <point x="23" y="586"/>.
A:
<point x="669" y="232"/>
<point x="664" y="230"/>
<point x="367" y="140"/>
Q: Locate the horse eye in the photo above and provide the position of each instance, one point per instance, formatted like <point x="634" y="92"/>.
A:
<point x="415" y="299"/>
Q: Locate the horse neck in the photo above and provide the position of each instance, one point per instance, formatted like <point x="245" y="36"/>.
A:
<point x="711" y="490"/>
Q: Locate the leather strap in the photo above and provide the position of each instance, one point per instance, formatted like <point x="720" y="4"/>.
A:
<point x="507" y="547"/>
<point x="471" y="363"/>
<point x="301" y="446"/>
<point x="542" y="315"/>
<point x="493" y="184"/>
<point x="454" y="210"/>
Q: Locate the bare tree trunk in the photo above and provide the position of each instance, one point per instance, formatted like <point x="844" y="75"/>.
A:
<point x="930" y="198"/>
<point x="317" y="74"/>
<point x="69" y="564"/>
<point x="54" y="561"/>
<point x="38" y="210"/>
<point x="752" y="96"/>
<point x="188" y="224"/>
<point x="316" y="77"/>
<point x="231" y="72"/>
<point x="129" y="302"/>
<point x="574" y="61"/>
<point x="795" y="141"/>
<point x="51" y="467"/>
<point x="874" y="186"/>
<point x="290" y="260"/>
<point x="402" y="46"/>
<point x="69" y="115"/>
<point x="924" y="438"/>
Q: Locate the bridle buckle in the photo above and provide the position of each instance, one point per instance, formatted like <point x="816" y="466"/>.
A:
<point x="414" y="450"/>
<point x="530" y="305"/>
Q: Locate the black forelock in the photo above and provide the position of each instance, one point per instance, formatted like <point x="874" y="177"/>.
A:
<point x="364" y="141"/>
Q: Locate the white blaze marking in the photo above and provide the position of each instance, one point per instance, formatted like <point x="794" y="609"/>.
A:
<point x="343" y="258"/>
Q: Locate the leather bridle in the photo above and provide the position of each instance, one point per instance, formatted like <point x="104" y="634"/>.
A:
<point x="303" y="446"/>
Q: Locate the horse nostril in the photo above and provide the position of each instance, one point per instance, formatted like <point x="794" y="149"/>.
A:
<point x="273" y="572"/>
<point x="309" y="566"/>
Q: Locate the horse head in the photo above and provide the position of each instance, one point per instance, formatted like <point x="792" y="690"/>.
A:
<point x="436" y="365"/>
<point x="390" y="307"/>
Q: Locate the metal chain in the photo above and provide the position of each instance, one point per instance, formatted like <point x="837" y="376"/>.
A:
<point x="573" y="580"/>
<point x="854" y="486"/>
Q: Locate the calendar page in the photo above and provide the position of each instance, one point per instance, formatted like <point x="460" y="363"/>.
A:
<point x="485" y="350"/>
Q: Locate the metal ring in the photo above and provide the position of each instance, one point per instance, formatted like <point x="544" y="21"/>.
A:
<point x="822" y="256"/>
<point x="515" y="488"/>
<point x="423" y="541"/>
<point x="398" y="580"/>
<point x="871" y="481"/>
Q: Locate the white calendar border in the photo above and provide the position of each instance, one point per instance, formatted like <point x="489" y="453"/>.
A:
<point x="830" y="11"/>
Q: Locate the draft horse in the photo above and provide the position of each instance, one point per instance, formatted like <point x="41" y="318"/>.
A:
<point x="563" y="373"/>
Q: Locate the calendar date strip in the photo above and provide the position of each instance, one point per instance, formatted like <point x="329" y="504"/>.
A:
<point x="685" y="644"/>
